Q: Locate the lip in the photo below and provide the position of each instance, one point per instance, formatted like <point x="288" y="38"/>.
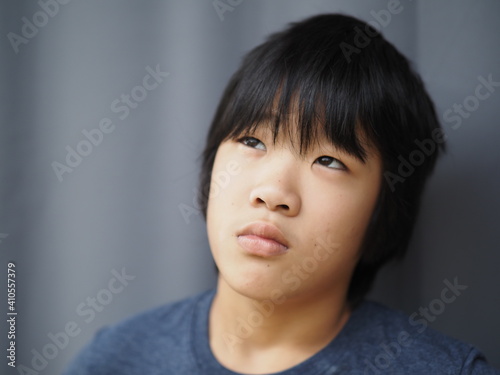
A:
<point x="262" y="239"/>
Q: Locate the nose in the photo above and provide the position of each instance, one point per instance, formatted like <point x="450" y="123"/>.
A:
<point x="276" y="189"/>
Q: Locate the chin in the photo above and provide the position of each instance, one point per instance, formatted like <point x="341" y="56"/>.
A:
<point x="256" y="283"/>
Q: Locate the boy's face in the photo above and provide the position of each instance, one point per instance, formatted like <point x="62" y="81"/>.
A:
<point x="283" y="225"/>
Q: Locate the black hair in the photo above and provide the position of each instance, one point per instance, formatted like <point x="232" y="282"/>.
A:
<point x="344" y="79"/>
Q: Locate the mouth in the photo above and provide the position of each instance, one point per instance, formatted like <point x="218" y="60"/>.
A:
<point x="262" y="239"/>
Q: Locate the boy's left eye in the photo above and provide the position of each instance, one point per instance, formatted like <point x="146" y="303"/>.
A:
<point x="330" y="162"/>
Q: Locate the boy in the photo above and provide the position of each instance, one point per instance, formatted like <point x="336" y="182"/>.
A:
<point x="312" y="125"/>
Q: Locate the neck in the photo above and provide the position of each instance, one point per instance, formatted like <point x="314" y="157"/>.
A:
<point x="246" y="333"/>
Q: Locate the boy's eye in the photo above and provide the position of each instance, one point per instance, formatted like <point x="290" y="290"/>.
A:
<point x="330" y="162"/>
<point x="252" y="142"/>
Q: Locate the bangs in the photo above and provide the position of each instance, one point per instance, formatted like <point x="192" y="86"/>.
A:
<point x="316" y="87"/>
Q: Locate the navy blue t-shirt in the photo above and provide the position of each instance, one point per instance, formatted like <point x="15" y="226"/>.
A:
<point x="173" y="340"/>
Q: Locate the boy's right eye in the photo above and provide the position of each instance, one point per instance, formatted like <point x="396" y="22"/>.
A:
<point x="252" y="142"/>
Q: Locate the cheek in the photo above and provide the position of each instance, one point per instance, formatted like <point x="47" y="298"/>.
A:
<point x="225" y="189"/>
<point x="342" y="217"/>
<point x="335" y="235"/>
<point x="225" y="192"/>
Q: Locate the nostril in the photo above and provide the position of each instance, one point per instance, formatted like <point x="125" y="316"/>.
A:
<point x="282" y="206"/>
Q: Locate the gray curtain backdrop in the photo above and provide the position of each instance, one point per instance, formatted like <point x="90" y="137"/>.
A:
<point x="99" y="159"/>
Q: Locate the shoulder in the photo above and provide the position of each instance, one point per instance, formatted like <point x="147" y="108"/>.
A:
<point x="393" y="329"/>
<point x="142" y="341"/>
<point x="164" y="322"/>
<point x="392" y="341"/>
